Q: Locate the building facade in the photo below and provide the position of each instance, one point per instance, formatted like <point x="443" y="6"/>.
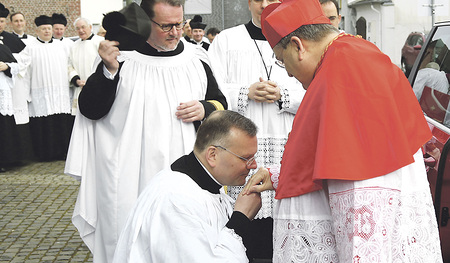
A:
<point x="387" y="23"/>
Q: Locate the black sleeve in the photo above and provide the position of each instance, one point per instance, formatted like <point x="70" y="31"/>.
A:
<point x="241" y="225"/>
<point x="8" y="72"/>
<point x="73" y="81"/>
<point x="214" y="99"/>
<point x="98" y="95"/>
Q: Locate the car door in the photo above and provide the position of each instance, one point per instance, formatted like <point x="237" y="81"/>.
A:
<point x="429" y="79"/>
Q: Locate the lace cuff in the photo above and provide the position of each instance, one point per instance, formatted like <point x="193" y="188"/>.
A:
<point x="243" y="100"/>
<point x="233" y="233"/>
<point x="274" y="172"/>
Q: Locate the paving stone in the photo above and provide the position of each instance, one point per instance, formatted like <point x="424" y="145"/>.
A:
<point x="36" y="206"/>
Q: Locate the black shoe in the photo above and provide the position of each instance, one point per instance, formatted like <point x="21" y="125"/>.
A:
<point x="2" y="170"/>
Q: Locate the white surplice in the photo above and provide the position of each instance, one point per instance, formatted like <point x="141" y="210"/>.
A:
<point x="175" y="220"/>
<point x="6" y="87"/>
<point x="116" y="156"/>
<point x="237" y="62"/>
<point x="82" y="57"/>
<point x="21" y="91"/>
<point x="49" y="77"/>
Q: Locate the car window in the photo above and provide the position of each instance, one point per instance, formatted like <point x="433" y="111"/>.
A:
<point x="431" y="84"/>
<point x="415" y="40"/>
<point x="438" y="50"/>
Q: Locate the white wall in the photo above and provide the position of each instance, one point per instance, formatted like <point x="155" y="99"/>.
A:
<point x="372" y="23"/>
<point x="94" y="10"/>
<point x="389" y="38"/>
<point x="398" y="19"/>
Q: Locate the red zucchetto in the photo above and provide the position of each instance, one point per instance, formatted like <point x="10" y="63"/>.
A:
<point x="277" y="19"/>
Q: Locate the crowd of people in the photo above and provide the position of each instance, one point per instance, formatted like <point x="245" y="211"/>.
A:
<point x="264" y="142"/>
<point x="42" y="76"/>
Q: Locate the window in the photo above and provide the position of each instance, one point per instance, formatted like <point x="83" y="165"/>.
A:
<point x="431" y="84"/>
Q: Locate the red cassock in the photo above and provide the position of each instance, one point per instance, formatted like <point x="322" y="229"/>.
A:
<point x="359" y="119"/>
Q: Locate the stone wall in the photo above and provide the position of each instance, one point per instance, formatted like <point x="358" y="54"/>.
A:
<point x="226" y="14"/>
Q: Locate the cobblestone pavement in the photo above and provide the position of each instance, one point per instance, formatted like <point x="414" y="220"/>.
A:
<point x="36" y="205"/>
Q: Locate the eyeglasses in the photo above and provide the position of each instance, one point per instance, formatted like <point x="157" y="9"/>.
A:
<point x="168" y="27"/>
<point x="248" y="162"/>
<point x="280" y="63"/>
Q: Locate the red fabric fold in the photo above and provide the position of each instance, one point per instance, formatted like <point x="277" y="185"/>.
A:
<point x="359" y="119"/>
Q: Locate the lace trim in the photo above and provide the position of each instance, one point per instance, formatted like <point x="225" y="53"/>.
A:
<point x="383" y="225"/>
<point x="270" y="152"/>
<point x="236" y="236"/>
<point x="304" y="241"/>
<point x="6" y="106"/>
<point x="274" y="175"/>
<point x="49" y="101"/>
<point x="243" y="100"/>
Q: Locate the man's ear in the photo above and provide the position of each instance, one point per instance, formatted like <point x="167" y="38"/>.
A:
<point x="298" y="46"/>
<point x="211" y="156"/>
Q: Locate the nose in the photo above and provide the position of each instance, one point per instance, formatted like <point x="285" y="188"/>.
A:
<point x="173" y="30"/>
<point x="265" y="3"/>
<point x="253" y="165"/>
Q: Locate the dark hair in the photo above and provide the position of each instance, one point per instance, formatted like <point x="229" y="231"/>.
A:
<point x="147" y="5"/>
<point x="333" y="1"/>
<point x="215" y="130"/>
<point x="313" y="33"/>
<point x="16" y="13"/>
<point x="213" y="31"/>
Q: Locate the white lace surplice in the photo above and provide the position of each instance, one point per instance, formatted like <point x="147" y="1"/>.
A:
<point x="6" y="86"/>
<point x="49" y="77"/>
<point x="389" y="218"/>
<point x="386" y="219"/>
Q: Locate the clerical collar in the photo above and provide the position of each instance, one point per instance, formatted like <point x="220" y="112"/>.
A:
<point x="89" y="38"/>
<point x="23" y="36"/>
<point x="206" y="170"/>
<point x="42" y="41"/>
<point x="192" y="167"/>
<point x="254" y="31"/>
<point x="151" y="51"/>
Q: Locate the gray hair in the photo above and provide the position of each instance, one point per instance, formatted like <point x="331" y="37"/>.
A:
<point x="313" y="33"/>
<point x="82" y="19"/>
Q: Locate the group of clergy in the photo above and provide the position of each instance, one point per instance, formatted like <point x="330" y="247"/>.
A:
<point x="41" y="78"/>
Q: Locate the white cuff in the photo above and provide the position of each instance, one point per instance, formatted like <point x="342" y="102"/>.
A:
<point x="108" y="74"/>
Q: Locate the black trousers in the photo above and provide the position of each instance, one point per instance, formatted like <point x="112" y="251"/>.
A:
<point x="260" y="245"/>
